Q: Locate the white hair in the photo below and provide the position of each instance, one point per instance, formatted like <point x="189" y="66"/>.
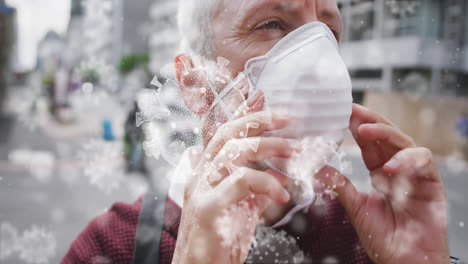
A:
<point x="194" y="22"/>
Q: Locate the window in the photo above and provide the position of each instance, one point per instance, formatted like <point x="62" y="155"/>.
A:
<point x="413" y="18"/>
<point x="362" y="20"/>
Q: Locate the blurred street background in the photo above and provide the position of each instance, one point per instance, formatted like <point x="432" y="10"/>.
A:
<point x="69" y="78"/>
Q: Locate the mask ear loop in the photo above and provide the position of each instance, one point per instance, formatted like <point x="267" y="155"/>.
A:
<point x="220" y="96"/>
<point x="240" y="77"/>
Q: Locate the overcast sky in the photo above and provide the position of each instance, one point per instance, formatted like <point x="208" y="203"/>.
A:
<point x="35" y="18"/>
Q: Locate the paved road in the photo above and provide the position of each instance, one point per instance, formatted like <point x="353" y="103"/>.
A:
<point x="64" y="203"/>
<point x="60" y="204"/>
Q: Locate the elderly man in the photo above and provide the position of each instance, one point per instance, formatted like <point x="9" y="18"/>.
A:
<point x="402" y="220"/>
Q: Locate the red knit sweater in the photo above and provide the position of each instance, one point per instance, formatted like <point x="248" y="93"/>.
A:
<point x="326" y="233"/>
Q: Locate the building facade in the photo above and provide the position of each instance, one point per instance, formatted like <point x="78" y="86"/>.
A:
<point x="102" y="40"/>
<point x="164" y="38"/>
<point x="7" y="47"/>
<point x="415" y="46"/>
<point x="136" y="26"/>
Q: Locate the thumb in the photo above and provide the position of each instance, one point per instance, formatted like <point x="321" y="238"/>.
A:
<point x="348" y="196"/>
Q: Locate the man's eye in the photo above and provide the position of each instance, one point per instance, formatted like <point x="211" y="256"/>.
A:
<point x="271" y="25"/>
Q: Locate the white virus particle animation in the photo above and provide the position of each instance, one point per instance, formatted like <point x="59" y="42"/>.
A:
<point x="98" y="42"/>
<point x="40" y="164"/>
<point x="316" y="153"/>
<point x="103" y="164"/>
<point x="238" y="219"/>
<point x="28" y="107"/>
<point x="271" y="246"/>
<point x="8" y="240"/>
<point x="36" y="245"/>
<point x="152" y="145"/>
<point x="150" y="107"/>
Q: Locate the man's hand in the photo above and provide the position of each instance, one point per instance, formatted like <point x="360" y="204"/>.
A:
<point x="403" y="219"/>
<point x="225" y="198"/>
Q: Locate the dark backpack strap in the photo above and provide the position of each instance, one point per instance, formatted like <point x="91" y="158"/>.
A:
<point x="150" y="227"/>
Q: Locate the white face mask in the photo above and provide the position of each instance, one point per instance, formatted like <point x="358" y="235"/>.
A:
<point x="304" y="77"/>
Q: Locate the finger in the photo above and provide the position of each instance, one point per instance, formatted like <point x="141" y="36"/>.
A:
<point x="396" y="187"/>
<point x="410" y="174"/>
<point x="362" y="115"/>
<point x="366" y="115"/>
<point x="240" y="152"/>
<point x="238" y="102"/>
<point x="372" y="133"/>
<point x="403" y="187"/>
<point x="377" y="137"/>
<point x="252" y="125"/>
<point x="262" y="201"/>
<point x="254" y="103"/>
<point x="381" y="181"/>
<point x="283" y="179"/>
<point x="249" y="152"/>
<point x="348" y="196"/>
<point x="246" y="181"/>
<point x="233" y="102"/>
<point x="419" y="160"/>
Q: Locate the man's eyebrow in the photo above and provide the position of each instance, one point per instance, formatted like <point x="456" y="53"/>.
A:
<point x="259" y="7"/>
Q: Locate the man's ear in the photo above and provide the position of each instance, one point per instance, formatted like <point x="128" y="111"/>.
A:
<point x="183" y="64"/>
<point x="193" y="85"/>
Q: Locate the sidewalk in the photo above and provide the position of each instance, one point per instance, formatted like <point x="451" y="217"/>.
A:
<point x="87" y="114"/>
<point x="51" y="185"/>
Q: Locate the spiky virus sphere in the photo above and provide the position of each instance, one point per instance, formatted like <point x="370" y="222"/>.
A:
<point x="271" y="246"/>
<point x="35" y="245"/>
<point x="103" y="164"/>
<point x="99" y="45"/>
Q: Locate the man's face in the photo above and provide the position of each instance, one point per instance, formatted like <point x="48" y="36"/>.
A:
<point x="243" y="29"/>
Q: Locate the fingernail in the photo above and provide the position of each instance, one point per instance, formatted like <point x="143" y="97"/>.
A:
<point x="253" y="98"/>
<point x="393" y="164"/>
<point x="368" y="126"/>
<point x="286" y="195"/>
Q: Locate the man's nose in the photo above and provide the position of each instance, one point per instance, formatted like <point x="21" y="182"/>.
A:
<point x="310" y="10"/>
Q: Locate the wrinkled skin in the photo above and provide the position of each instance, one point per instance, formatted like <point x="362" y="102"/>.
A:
<point x="402" y="220"/>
